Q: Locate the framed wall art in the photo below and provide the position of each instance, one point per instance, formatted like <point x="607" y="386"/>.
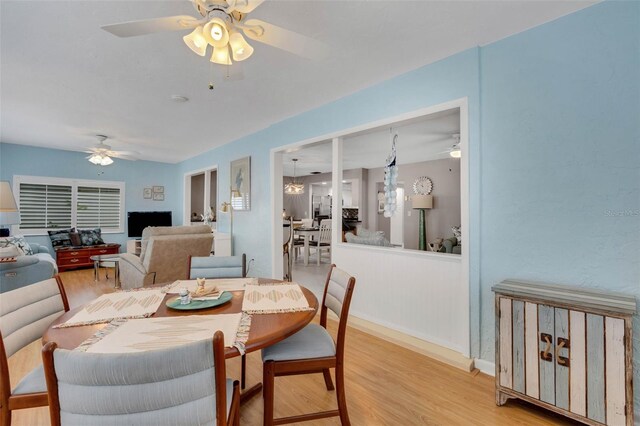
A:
<point x="147" y="194"/>
<point x="158" y="189"/>
<point x="241" y="184"/>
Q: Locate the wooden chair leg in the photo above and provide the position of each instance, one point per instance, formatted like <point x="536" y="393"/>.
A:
<point x="243" y="371"/>
<point x="327" y="379"/>
<point x="342" y="399"/>
<point x="5" y="415"/>
<point x="268" y="377"/>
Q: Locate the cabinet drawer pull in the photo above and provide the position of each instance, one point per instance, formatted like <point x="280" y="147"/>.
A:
<point x="74" y="253"/>
<point x="546" y="355"/>
<point x="562" y="343"/>
<point x="103" y="251"/>
<point x="74" y="260"/>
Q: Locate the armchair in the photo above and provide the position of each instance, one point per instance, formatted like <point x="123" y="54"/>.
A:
<point x="164" y="254"/>
<point x="27" y="270"/>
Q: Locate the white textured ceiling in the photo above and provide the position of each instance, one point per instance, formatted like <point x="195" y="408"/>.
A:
<point x="63" y="79"/>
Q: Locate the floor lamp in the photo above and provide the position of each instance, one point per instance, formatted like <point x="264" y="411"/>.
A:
<point x="422" y="203"/>
<point x="9" y="214"/>
<point x="227" y="207"/>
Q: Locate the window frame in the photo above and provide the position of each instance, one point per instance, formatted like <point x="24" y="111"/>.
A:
<point x="74" y="184"/>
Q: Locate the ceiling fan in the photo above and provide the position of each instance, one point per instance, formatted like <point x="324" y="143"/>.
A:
<point x="453" y="150"/>
<point x="101" y="153"/>
<point x="220" y="26"/>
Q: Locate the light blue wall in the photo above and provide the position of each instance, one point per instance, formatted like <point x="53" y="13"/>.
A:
<point x="32" y="161"/>
<point x="554" y="157"/>
<point x="453" y="78"/>
<point x="561" y="156"/>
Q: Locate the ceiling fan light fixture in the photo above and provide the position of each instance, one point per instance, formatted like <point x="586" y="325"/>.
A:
<point x="100" y="160"/>
<point x="221" y="56"/>
<point x="196" y="41"/>
<point x="240" y="49"/>
<point x="95" y="159"/>
<point x="216" y="33"/>
<point x="106" y="160"/>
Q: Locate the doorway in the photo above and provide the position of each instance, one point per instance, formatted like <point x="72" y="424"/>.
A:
<point x="201" y="196"/>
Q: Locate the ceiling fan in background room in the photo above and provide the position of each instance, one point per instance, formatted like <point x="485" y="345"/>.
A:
<point x="454" y="149"/>
<point x="221" y="26"/>
<point x="101" y="153"/>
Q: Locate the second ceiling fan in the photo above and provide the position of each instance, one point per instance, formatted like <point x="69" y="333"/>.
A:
<point x="221" y="26"/>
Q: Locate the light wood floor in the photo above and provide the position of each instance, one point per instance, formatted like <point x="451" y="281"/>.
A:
<point x="385" y="384"/>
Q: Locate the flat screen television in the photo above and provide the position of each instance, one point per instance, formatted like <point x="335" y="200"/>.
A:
<point x="137" y="221"/>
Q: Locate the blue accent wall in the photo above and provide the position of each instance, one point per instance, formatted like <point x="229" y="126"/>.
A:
<point x="554" y="156"/>
<point x="32" y="161"/>
<point x="561" y="156"/>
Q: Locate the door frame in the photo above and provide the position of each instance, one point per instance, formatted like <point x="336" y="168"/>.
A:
<point x="186" y="199"/>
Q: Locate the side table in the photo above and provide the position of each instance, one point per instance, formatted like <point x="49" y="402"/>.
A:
<point x="107" y="260"/>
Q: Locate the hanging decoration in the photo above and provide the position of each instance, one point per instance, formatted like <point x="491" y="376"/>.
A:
<point x="391" y="180"/>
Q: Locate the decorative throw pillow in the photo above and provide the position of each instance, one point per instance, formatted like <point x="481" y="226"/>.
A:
<point x="457" y="233"/>
<point x="76" y="241"/>
<point x="91" y="237"/>
<point x="19" y="242"/>
<point x="11" y="251"/>
<point x="61" y="238"/>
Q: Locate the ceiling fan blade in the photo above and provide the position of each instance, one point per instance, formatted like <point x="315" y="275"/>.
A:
<point x="244" y="6"/>
<point x="124" y="156"/>
<point x="285" y="39"/>
<point x="149" y="26"/>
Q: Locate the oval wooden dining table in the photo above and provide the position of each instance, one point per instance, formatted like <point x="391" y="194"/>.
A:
<point x="266" y="329"/>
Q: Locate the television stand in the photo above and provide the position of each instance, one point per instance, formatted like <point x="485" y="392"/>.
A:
<point x="134" y="246"/>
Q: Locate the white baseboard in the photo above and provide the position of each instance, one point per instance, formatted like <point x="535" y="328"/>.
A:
<point x="487" y="367"/>
<point x="446" y="355"/>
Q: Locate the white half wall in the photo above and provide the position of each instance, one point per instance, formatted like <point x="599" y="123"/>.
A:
<point x="419" y="294"/>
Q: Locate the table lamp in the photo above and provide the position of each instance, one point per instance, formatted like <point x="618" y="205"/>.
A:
<point x="422" y="202"/>
<point x="9" y="214"/>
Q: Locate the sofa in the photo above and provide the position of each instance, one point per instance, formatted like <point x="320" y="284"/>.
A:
<point x="27" y="269"/>
<point x="367" y="237"/>
<point x="164" y="254"/>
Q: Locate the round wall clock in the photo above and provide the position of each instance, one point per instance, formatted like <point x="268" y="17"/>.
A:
<point x="422" y="185"/>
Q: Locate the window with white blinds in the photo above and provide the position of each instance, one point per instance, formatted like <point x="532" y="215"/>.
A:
<point x="45" y="206"/>
<point x="98" y="208"/>
<point x="55" y="203"/>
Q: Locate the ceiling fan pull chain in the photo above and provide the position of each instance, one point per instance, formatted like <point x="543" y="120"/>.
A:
<point x="211" y="85"/>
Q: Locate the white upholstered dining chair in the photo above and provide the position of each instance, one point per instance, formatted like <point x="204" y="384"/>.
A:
<point x="25" y="314"/>
<point x="220" y="267"/>
<point x="184" y="384"/>
<point x="324" y="239"/>
<point x="217" y="267"/>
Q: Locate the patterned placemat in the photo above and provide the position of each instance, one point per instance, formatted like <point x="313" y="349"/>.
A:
<point x="108" y="307"/>
<point x="223" y="284"/>
<point x="137" y="335"/>
<point x="274" y="298"/>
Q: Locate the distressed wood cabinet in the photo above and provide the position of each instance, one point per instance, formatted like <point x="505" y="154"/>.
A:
<point x="568" y="349"/>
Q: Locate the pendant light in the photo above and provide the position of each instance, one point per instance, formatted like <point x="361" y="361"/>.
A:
<point x="293" y="187"/>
